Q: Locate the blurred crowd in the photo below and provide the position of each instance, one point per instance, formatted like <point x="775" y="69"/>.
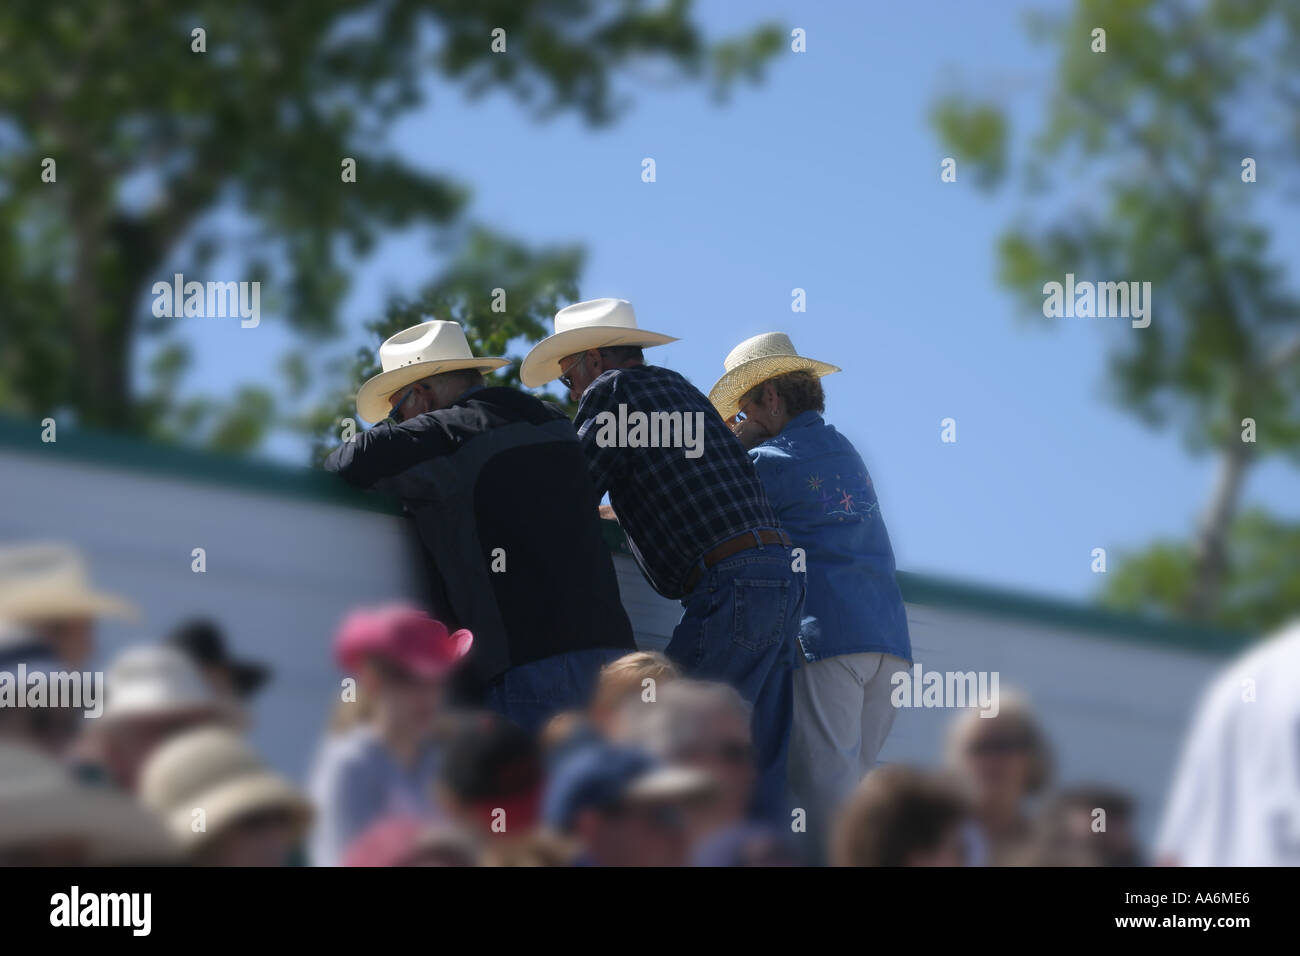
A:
<point x="657" y="770"/>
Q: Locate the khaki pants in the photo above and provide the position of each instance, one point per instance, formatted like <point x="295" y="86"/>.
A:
<point x="842" y="715"/>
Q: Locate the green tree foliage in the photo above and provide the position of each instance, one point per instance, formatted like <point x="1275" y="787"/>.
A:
<point x="1261" y="586"/>
<point x="1137" y="175"/>
<point x="169" y="160"/>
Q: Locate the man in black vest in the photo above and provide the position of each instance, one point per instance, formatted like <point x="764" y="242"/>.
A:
<point x="504" y="506"/>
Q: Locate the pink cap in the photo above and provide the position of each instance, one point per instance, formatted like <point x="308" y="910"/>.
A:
<point x="402" y="634"/>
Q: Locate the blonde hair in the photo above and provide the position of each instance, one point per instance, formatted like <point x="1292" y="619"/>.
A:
<point x="1013" y="711"/>
<point x="620" y="678"/>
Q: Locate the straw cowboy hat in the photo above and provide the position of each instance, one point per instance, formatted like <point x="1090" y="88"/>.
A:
<point x="47" y="581"/>
<point x="213" y="770"/>
<point x="41" y="803"/>
<point x="753" y="362"/>
<point x="596" y="324"/>
<point x="415" y="353"/>
<point x="156" y="681"/>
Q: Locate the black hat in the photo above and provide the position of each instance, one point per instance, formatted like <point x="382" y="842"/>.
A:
<point x="202" y="642"/>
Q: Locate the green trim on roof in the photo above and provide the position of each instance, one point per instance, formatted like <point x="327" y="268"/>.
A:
<point x="132" y="454"/>
<point x="996" y="602"/>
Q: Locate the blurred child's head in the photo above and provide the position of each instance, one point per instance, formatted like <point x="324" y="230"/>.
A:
<point x="637" y="675"/>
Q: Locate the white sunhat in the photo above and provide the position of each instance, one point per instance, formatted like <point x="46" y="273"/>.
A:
<point x="45" y="581"/>
<point x="156" y="680"/>
<point x="41" y="802"/>
<point x="415" y="353"/>
<point x="753" y="362"/>
<point x="595" y="324"/>
<point x="213" y="769"/>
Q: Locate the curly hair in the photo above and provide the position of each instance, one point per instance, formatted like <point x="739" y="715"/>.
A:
<point x="799" y="391"/>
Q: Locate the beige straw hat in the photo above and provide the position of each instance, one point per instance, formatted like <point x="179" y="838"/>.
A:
<point x="46" y="581"/>
<point x="41" y="802"/>
<point x="429" y="348"/>
<point x="213" y="770"/>
<point x="753" y="362"/>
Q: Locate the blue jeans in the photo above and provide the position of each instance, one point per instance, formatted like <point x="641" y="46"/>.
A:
<point x="740" y="627"/>
<point x="531" y="694"/>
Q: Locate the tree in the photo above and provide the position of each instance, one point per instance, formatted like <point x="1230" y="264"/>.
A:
<point x="1261" y="586"/>
<point x="1152" y="134"/>
<point x="533" y="283"/>
<point x="161" y="137"/>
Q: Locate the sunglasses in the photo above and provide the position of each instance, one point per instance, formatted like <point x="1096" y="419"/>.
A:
<point x="395" y="412"/>
<point x="738" y="753"/>
<point x="663" y="817"/>
<point x="565" y="379"/>
<point x="991" y="746"/>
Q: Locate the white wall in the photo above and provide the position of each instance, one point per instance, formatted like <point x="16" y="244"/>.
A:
<point x="281" y="571"/>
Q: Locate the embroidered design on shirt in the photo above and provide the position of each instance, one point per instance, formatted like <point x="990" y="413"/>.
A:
<point x="845" y="502"/>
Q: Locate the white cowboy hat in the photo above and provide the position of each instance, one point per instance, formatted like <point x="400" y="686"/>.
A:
<point x="46" y="581"/>
<point x="753" y="362"/>
<point x="597" y="324"/>
<point x="415" y="353"/>
<point x="212" y="769"/>
<point x="157" y="680"/>
<point x="41" y="802"/>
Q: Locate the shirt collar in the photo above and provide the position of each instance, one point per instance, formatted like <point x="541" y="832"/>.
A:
<point x="804" y="419"/>
<point x="468" y="392"/>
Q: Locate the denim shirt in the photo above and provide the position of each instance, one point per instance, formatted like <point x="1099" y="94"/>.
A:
<point x="823" y="497"/>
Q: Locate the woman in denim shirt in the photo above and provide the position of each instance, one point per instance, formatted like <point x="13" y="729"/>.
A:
<point x="854" y="631"/>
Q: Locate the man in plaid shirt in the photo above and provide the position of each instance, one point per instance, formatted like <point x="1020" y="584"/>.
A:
<point x="695" y="513"/>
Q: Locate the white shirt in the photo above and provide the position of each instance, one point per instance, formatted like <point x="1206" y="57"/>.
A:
<point x="1236" y="794"/>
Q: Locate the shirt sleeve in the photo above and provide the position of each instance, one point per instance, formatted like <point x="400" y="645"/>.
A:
<point x="390" y="448"/>
<point x="771" y="468"/>
<point x="341" y="792"/>
<point x="603" y="462"/>
<point x="1199" y="802"/>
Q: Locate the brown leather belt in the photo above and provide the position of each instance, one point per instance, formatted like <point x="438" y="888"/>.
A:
<point x="732" y="546"/>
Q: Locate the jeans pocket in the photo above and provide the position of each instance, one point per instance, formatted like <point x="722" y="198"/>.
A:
<point x="760" y="619"/>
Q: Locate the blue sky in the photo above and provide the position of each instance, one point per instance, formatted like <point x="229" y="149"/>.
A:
<point x="826" y="177"/>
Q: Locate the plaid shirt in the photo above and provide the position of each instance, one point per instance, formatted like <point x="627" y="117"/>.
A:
<point x="673" y="508"/>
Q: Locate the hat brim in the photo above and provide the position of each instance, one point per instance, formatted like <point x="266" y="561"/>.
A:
<point x="373" y="396"/>
<point x="731" y="388"/>
<point x="226" y="803"/>
<point x="671" y="783"/>
<point x="542" y="363"/>
<point x="150" y="706"/>
<point x="44" y="604"/>
<point x="247" y="677"/>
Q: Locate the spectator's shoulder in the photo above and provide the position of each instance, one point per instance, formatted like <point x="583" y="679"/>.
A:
<point x="552" y="411"/>
<point x="346" y="752"/>
<point x="602" y="394"/>
<point x="772" y="454"/>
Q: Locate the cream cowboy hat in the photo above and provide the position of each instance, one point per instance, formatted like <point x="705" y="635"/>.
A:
<point x="596" y="324"/>
<point x="212" y="769"/>
<point x="155" y="681"/>
<point x="46" y="581"/>
<point x="41" y="802"/>
<point x="753" y="362"/>
<point x="415" y="353"/>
